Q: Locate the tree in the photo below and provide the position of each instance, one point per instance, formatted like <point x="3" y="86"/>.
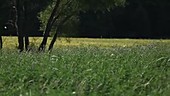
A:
<point x="27" y="20"/>
<point x="23" y="17"/>
<point x="65" y="9"/>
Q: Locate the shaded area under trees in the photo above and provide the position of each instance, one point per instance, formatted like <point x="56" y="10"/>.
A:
<point x="138" y="19"/>
<point x="24" y="18"/>
<point x="102" y="18"/>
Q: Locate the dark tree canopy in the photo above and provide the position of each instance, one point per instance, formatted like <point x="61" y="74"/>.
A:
<point x="137" y="19"/>
<point x="27" y="10"/>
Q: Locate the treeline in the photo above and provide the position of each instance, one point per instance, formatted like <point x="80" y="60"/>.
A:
<point x="24" y="17"/>
<point x="137" y="19"/>
<point x="28" y="18"/>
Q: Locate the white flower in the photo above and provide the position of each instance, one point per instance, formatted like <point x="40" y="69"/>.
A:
<point x="73" y="92"/>
<point x="112" y="55"/>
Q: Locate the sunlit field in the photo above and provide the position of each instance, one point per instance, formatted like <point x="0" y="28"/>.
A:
<point x="86" y="67"/>
<point x="11" y="42"/>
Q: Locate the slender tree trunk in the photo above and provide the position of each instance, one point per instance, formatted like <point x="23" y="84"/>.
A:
<point x="15" y="15"/>
<point x="49" y="27"/>
<point x="26" y="43"/>
<point x="0" y="42"/>
<point x="21" y="43"/>
<point x="20" y="38"/>
<point x="57" y="30"/>
<point x="53" y="40"/>
<point x="22" y="25"/>
<point x="19" y="23"/>
<point x="25" y="26"/>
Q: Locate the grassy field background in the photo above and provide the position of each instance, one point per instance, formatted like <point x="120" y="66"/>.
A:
<point x="87" y="67"/>
<point x="11" y="42"/>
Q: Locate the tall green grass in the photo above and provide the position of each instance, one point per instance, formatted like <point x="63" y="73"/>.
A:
<point x="142" y="70"/>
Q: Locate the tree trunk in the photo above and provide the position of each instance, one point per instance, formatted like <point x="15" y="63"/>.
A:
<point x="21" y="43"/>
<point x="22" y="25"/>
<point x="57" y="30"/>
<point x="0" y="42"/>
<point x="53" y="41"/>
<point x="25" y="26"/>
<point x="19" y="23"/>
<point x="49" y="27"/>
<point x="15" y="16"/>
<point x="26" y="43"/>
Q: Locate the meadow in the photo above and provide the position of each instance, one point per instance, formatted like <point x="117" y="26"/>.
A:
<point x="87" y="67"/>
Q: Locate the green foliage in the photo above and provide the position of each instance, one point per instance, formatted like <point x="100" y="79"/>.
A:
<point x="44" y="16"/>
<point x="87" y="70"/>
<point x="73" y="7"/>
